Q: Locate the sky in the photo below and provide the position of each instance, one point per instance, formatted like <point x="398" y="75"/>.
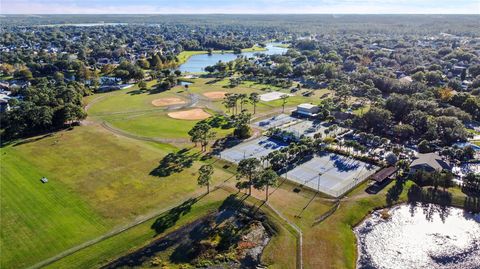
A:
<point x="239" y="6"/>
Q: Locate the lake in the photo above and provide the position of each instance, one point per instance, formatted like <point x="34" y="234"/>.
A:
<point x="427" y="236"/>
<point x="198" y="62"/>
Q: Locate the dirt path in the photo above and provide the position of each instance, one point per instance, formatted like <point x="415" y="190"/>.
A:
<point x="94" y="101"/>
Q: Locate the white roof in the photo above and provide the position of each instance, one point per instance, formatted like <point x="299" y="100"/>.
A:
<point x="306" y="106"/>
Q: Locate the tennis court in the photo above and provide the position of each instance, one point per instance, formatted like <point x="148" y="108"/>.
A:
<point x="272" y="96"/>
<point x="256" y="148"/>
<point x="275" y="121"/>
<point x="331" y="173"/>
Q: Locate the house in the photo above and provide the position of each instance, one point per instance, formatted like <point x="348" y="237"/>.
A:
<point x="308" y="110"/>
<point x="405" y="80"/>
<point x="429" y="162"/>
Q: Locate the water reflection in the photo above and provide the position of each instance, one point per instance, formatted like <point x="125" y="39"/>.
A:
<point x="419" y="236"/>
<point x="197" y="63"/>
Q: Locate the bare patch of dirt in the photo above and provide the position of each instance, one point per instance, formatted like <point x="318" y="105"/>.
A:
<point x="215" y="95"/>
<point x="192" y="114"/>
<point x="168" y="101"/>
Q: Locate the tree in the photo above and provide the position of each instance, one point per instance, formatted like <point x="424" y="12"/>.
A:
<point x="71" y="113"/>
<point x="404" y="131"/>
<point x="243" y="100"/>
<point x="278" y="160"/>
<point x="142" y="85"/>
<point x="284" y="101"/>
<point x="230" y="102"/>
<point x="201" y="133"/>
<point x="242" y="130"/>
<point x="254" y="99"/>
<point x="376" y="119"/>
<point x="205" y="176"/>
<point x="266" y="179"/>
<point x="24" y="73"/>
<point x="423" y="146"/>
<point x="248" y="168"/>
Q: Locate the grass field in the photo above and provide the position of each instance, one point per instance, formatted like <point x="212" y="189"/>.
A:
<point x="97" y="181"/>
<point x="132" y="111"/>
<point x="116" y="246"/>
<point x="136" y="237"/>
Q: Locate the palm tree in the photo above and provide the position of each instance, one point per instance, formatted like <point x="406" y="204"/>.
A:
<point x="265" y="179"/>
<point x="230" y="102"/>
<point x="248" y="168"/>
<point x="205" y="176"/>
<point x="243" y="100"/>
<point x="284" y="101"/>
<point x="254" y="99"/>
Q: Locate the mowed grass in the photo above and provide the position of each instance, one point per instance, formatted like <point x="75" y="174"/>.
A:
<point x="332" y="243"/>
<point x="156" y="124"/>
<point x="38" y="219"/>
<point x="132" y="111"/>
<point x="136" y="237"/>
<point x="283" y="241"/>
<point x="97" y="181"/>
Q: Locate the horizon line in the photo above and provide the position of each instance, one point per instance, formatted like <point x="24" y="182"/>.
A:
<point x="306" y="13"/>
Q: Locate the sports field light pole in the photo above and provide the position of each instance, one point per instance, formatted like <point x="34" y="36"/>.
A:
<point x="318" y="186"/>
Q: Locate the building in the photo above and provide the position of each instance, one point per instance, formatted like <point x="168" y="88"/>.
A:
<point x="385" y="175"/>
<point x="429" y="162"/>
<point x="308" y="110"/>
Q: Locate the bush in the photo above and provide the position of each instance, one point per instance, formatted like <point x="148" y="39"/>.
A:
<point x="243" y="131"/>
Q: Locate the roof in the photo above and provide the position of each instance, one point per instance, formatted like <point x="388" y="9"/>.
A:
<point x="306" y="106"/>
<point x="384" y="173"/>
<point x="429" y="162"/>
<point x="406" y="79"/>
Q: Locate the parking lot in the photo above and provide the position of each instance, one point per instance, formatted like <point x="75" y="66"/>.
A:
<point x="331" y="173"/>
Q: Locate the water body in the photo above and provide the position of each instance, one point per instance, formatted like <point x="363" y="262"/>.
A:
<point x="198" y="62"/>
<point x="419" y="237"/>
<point x="93" y="24"/>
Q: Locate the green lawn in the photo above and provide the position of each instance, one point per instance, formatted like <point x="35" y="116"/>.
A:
<point x="155" y="124"/>
<point x="39" y="219"/>
<point x="132" y="239"/>
<point x="133" y="112"/>
<point x="97" y="181"/>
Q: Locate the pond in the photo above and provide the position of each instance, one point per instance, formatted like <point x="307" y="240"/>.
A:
<point x="427" y="236"/>
<point x="184" y="83"/>
<point x="198" y="62"/>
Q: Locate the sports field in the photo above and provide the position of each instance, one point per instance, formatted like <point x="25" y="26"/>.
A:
<point x="256" y="148"/>
<point x="331" y="173"/>
<point x="146" y="113"/>
<point x="97" y="181"/>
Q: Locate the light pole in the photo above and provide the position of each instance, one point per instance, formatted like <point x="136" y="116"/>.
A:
<point x="318" y="186"/>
